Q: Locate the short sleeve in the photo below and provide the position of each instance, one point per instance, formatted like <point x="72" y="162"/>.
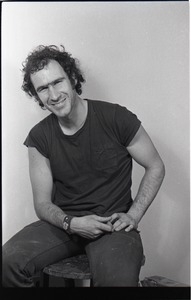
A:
<point x="37" y="138"/>
<point x="127" y="124"/>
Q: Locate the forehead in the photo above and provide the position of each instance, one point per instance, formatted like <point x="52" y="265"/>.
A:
<point x="52" y="71"/>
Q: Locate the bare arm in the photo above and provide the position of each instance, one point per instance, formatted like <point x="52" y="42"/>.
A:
<point x="42" y="184"/>
<point x="144" y="153"/>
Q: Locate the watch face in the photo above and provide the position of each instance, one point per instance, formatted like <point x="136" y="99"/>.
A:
<point x="65" y="225"/>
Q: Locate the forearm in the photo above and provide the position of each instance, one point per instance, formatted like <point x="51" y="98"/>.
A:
<point x="51" y="213"/>
<point x="148" y="189"/>
<point x="89" y="227"/>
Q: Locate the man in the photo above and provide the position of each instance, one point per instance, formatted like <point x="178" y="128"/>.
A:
<point x="80" y="164"/>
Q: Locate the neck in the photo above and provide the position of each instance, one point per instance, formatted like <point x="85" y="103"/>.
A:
<point x="73" y="122"/>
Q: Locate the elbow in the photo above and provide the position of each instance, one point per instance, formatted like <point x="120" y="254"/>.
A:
<point x="39" y="208"/>
<point x="38" y="212"/>
<point x="163" y="170"/>
<point x="42" y="208"/>
<point x="160" y="167"/>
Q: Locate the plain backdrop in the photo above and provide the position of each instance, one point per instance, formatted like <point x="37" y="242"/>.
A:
<point x="132" y="53"/>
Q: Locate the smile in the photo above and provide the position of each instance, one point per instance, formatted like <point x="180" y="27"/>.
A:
<point x="58" y="103"/>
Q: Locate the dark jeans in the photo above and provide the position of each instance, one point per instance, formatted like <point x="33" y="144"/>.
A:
<point x="115" y="258"/>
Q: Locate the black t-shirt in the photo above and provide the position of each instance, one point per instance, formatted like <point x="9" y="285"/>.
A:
<point x="92" y="168"/>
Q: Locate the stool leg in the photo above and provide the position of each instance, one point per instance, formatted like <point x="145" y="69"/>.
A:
<point x="91" y="282"/>
<point x="37" y="284"/>
<point x="45" y="280"/>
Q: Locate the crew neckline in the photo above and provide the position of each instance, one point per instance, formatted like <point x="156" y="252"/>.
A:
<point x="70" y="136"/>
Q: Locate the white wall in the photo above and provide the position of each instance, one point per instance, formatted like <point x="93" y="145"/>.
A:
<point x="132" y="53"/>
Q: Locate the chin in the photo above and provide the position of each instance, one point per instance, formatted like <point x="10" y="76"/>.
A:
<point x="61" y="113"/>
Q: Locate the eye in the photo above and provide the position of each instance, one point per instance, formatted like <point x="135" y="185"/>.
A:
<point x="58" y="81"/>
<point x="42" y="89"/>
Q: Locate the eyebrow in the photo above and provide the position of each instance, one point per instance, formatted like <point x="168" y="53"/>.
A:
<point x="46" y="85"/>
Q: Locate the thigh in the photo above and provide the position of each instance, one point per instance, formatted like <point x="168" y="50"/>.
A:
<point x="115" y="259"/>
<point x="38" y="245"/>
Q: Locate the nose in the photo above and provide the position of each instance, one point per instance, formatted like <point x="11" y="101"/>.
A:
<point x="53" y="94"/>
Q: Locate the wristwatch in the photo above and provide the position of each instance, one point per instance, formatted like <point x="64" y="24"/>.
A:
<point x="66" y="223"/>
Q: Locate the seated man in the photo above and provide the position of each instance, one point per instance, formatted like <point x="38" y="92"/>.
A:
<point x="80" y="164"/>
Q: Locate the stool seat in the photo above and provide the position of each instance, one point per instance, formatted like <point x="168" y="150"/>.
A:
<point x="70" y="269"/>
<point x="76" y="267"/>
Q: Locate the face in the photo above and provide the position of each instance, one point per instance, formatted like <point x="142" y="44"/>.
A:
<point x="54" y="89"/>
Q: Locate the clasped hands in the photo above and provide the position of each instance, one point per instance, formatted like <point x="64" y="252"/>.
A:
<point x="93" y="226"/>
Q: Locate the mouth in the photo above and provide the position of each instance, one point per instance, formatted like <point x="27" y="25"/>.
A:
<point x="58" y="103"/>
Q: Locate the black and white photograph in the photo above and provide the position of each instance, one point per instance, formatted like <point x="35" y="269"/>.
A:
<point x="95" y="145"/>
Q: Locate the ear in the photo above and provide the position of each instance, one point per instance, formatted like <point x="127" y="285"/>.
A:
<point x="73" y="81"/>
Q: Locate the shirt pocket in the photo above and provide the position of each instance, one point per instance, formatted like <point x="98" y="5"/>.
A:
<point x="105" y="158"/>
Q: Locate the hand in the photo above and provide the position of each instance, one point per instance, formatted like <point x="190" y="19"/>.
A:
<point x="91" y="226"/>
<point x="121" y="221"/>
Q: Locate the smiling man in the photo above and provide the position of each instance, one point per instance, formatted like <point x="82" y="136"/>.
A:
<point x="57" y="94"/>
<point x="80" y="164"/>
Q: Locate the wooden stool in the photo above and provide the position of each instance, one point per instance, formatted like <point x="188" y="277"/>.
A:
<point x="70" y="269"/>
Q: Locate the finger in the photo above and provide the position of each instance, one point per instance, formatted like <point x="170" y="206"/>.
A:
<point x="129" y="228"/>
<point x="103" y="219"/>
<point x="114" y="217"/>
<point x="109" y="223"/>
<point x="121" y="226"/>
<point x="105" y="227"/>
<point x="97" y="232"/>
<point x="116" y="224"/>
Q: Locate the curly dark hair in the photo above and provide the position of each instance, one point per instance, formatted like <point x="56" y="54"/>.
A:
<point x="40" y="57"/>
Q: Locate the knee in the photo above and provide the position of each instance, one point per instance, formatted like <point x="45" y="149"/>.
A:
<point x="118" y="262"/>
<point x="12" y="266"/>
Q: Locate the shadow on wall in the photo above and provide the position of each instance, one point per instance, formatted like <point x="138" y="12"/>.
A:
<point x="165" y="228"/>
<point x="95" y="90"/>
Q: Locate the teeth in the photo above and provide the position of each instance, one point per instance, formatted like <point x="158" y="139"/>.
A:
<point x="59" y="102"/>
